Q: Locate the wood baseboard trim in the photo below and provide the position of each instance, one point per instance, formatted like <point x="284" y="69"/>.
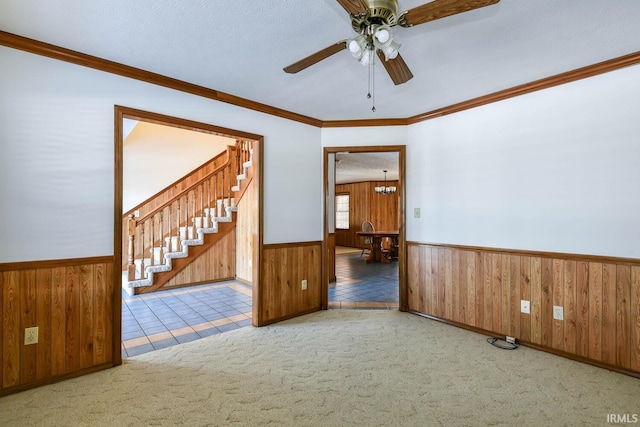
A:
<point x="48" y="381"/>
<point x="532" y="345"/>
<point x="291" y="316"/>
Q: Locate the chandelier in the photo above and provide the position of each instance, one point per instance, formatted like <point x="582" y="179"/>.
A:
<point x="384" y="190"/>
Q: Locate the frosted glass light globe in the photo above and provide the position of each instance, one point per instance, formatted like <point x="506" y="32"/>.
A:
<point x="382" y="35"/>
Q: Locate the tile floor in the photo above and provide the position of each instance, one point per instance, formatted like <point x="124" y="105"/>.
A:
<point x="166" y="318"/>
<point x="362" y="285"/>
<point x="162" y="319"/>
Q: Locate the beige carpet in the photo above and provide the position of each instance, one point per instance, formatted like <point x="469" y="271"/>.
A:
<point x="334" y="368"/>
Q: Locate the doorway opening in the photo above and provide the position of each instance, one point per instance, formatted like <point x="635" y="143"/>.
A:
<point x="188" y="196"/>
<point x="364" y="227"/>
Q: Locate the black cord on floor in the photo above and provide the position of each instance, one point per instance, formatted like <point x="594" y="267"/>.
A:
<point x="502" y="343"/>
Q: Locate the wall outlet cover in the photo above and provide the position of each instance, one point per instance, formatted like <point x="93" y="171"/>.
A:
<point x="558" y="312"/>
<point x="525" y="307"/>
<point x="31" y="336"/>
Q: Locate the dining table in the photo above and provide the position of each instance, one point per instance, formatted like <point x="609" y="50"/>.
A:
<point x="376" y="251"/>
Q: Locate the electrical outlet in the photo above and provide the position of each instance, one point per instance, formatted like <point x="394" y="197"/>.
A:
<point x="416" y="212"/>
<point x="31" y="336"/>
<point x="511" y="340"/>
<point x="558" y="312"/>
<point x="525" y="306"/>
<point x="304" y="285"/>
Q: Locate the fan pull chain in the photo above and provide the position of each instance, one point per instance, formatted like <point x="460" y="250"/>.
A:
<point x="373" y="82"/>
<point x="369" y="81"/>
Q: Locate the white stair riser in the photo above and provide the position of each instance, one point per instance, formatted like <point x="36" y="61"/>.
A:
<point x="178" y="246"/>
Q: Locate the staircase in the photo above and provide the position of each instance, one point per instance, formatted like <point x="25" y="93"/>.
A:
<point x="182" y="221"/>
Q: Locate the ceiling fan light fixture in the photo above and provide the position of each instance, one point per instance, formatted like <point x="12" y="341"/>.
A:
<point x="367" y="57"/>
<point x="358" y="46"/>
<point x="382" y="34"/>
<point x="390" y="50"/>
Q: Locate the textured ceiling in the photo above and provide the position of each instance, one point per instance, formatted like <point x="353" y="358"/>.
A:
<point x="240" y="47"/>
<point x="359" y="167"/>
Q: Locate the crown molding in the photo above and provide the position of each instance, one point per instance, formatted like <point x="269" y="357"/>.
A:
<point x="545" y="83"/>
<point x="44" y="49"/>
<point x="56" y="52"/>
<point x="364" y="122"/>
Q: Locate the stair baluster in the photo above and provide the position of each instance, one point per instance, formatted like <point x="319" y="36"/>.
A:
<point x="151" y="244"/>
<point x="196" y="207"/>
<point x="131" y="267"/>
<point x="143" y="272"/>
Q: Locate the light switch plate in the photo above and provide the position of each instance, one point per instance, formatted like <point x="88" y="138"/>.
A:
<point x="525" y="306"/>
<point x="416" y="212"/>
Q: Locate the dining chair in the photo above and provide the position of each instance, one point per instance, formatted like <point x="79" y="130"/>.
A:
<point x="368" y="240"/>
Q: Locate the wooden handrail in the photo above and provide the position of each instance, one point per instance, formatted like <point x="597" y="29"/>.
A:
<point x="200" y="202"/>
<point x="185" y="191"/>
<point x="227" y="151"/>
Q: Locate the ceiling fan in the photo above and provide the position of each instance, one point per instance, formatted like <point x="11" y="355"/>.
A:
<point x="373" y="21"/>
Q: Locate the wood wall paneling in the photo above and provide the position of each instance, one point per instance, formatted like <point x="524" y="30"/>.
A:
<point x="582" y="305"/>
<point x="28" y="319"/>
<point x="496" y="297"/>
<point x="246" y="229"/>
<point x="331" y="256"/>
<point x="609" y="313"/>
<point x="570" y="306"/>
<point x="284" y="267"/>
<point x="635" y="318"/>
<point x="482" y="289"/>
<point x="11" y="328"/>
<point x="525" y="294"/>
<point x="366" y="205"/>
<point x="536" y="300"/>
<point x="623" y="316"/>
<point x="557" y="299"/>
<point x="215" y="264"/>
<point x="71" y="304"/>
<point x="595" y="311"/>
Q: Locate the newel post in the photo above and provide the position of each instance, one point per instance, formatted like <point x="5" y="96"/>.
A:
<point x="131" y="268"/>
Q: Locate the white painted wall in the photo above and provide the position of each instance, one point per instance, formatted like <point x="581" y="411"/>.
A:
<point x="555" y="170"/>
<point x="364" y="136"/>
<point x="57" y="156"/>
<point x="156" y="156"/>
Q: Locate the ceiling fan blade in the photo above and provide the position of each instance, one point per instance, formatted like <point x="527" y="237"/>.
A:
<point x="440" y="9"/>
<point x="354" y="7"/>
<point x="316" y="57"/>
<point x="397" y="69"/>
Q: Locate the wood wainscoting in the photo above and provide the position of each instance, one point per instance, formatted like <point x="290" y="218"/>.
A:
<point x="215" y="264"/>
<point x="72" y="304"/>
<point x="331" y="256"/>
<point x="283" y="268"/>
<point x="481" y="289"/>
